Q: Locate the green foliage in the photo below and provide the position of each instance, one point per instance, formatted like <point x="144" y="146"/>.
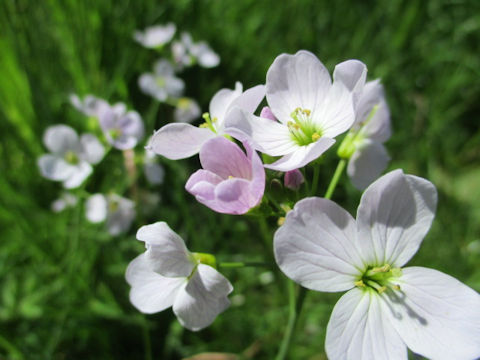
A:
<point x="63" y="293"/>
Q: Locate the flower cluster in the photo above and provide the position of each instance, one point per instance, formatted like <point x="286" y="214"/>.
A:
<point x="245" y="154"/>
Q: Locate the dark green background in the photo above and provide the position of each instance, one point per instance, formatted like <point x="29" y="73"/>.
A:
<point x="62" y="288"/>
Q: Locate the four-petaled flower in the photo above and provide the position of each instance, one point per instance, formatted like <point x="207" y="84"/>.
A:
<point x="387" y="308"/>
<point x="311" y="112"/>
<point x="71" y="157"/>
<point x="180" y="141"/>
<point x="186" y="53"/>
<point x="168" y="275"/>
<point x="230" y="181"/>
<point x="363" y="145"/>
<point x="163" y="83"/>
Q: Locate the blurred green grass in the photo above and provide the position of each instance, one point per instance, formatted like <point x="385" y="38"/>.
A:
<point x="63" y="293"/>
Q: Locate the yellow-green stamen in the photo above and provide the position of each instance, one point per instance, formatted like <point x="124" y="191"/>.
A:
<point x="379" y="278"/>
<point x="302" y="129"/>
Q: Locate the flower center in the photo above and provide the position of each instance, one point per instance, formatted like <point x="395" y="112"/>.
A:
<point x="115" y="133"/>
<point x="379" y="278"/>
<point x="113" y="205"/>
<point x="209" y="123"/>
<point x="160" y="81"/>
<point x="183" y="103"/>
<point x="71" y="157"/>
<point x="302" y="129"/>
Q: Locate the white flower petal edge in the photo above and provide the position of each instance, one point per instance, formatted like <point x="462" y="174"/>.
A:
<point x="394" y="215"/>
<point x="204" y="297"/>
<point x="166" y="251"/>
<point x="151" y="292"/>
<point x="357" y="330"/>
<point x="435" y="314"/>
<point x="179" y="141"/>
<point x="96" y="208"/>
<point x="314" y="230"/>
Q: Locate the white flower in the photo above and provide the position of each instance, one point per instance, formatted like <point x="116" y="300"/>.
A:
<point x="168" y="275"/>
<point x="89" y="106"/>
<point x="155" y="36"/>
<point x="65" y="200"/>
<point x="363" y="145"/>
<point x="163" y="83"/>
<point x="311" y="112"/>
<point x="186" y="110"/>
<point x="71" y="157"/>
<point x="118" y="212"/>
<point x="186" y="53"/>
<point x="180" y="141"/>
<point x="123" y="129"/>
<point x="387" y="308"/>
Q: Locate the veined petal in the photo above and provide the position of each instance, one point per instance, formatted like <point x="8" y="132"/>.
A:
<point x="394" y="215"/>
<point x="267" y="136"/>
<point x="336" y="114"/>
<point x="379" y="128"/>
<point x="151" y="292"/>
<point x="201" y="184"/>
<point x="302" y="155"/>
<point x="316" y="246"/>
<point x="293" y="81"/>
<point x="353" y="74"/>
<point x="60" y="139"/>
<point x="166" y="251"/>
<point x="222" y="100"/>
<point x="435" y="314"/>
<point x="179" y="141"/>
<point x="225" y="158"/>
<point x="202" y="299"/>
<point x="82" y="170"/>
<point x="250" y="99"/>
<point x="92" y="149"/>
<point x="54" y="167"/>
<point x="96" y="208"/>
<point x="234" y="196"/>
<point x="359" y="330"/>
<point x="367" y="163"/>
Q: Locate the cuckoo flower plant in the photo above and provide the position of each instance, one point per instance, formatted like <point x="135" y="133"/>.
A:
<point x="231" y="181"/>
<point x="168" y="275"/>
<point x="387" y="307"/>
<point x="311" y="112"/>
<point x="363" y="145"/>
<point x="180" y="141"/>
<point x="71" y="157"/>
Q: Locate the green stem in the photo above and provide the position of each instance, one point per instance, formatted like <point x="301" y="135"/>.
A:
<point x="316" y="175"/>
<point x="296" y="304"/>
<point x="336" y="177"/>
<point x="240" y="264"/>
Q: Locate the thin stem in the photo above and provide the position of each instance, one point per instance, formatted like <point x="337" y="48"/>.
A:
<point x="240" y="264"/>
<point x="146" y="340"/>
<point x="336" y="177"/>
<point x="316" y="175"/>
<point x="295" y="305"/>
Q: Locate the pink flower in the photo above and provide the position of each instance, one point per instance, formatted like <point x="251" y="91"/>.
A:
<point x="230" y="181"/>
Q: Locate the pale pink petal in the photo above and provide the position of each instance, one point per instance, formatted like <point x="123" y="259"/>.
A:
<point x="266" y="113"/>
<point x="436" y="315"/>
<point x="222" y="100"/>
<point x="302" y="155"/>
<point x="359" y="330"/>
<point x="179" y="141"/>
<point x="316" y="246"/>
<point x="293" y="179"/>
<point x="394" y="215"/>
<point x="293" y="81"/>
<point x="201" y="184"/>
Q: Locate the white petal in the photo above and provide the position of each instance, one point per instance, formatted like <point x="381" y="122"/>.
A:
<point x="267" y="136"/>
<point x="166" y="251"/>
<point x="302" y="155"/>
<point x="82" y="171"/>
<point x="379" y="128"/>
<point x="150" y="291"/>
<point x="179" y="141"/>
<point x="316" y="246"/>
<point x="202" y="299"/>
<point x="293" y="81"/>
<point x="92" y="149"/>
<point x="154" y="173"/>
<point x="353" y="74"/>
<point x="436" y="315"/>
<point x="120" y="219"/>
<point x="222" y="100"/>
<point x="358" y="330"/>
<point x="336" y="114"/>
<point x="55" y="168"/>
<point x="60" y="139"/>
<point x="394" y="215"/>
<point x="96" y="208"/>
<point x="367" y="163"/>
<point x="250" y="99"/>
